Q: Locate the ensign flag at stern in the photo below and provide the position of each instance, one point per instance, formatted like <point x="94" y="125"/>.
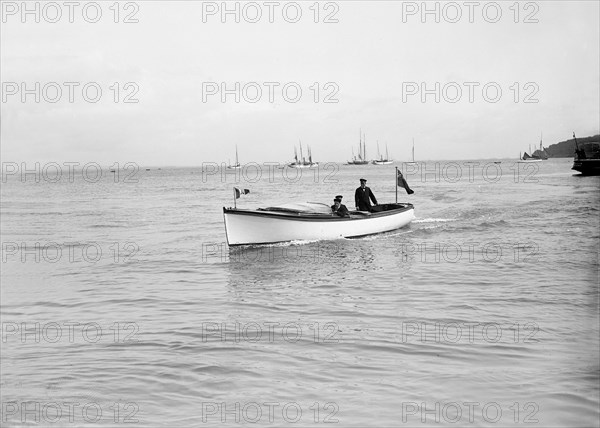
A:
<point x="402" y="183"/>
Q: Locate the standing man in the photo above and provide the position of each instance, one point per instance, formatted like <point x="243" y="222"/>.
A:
<point x="363" y="197"/>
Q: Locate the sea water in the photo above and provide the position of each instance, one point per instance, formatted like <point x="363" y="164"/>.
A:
<point x="121" y="302"/>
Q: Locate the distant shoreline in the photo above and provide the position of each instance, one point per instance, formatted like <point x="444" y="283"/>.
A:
<point x="566" y="149"/>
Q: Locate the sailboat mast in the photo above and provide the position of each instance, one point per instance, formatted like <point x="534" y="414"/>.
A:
<point x="236" y="156"/>
<point x="413" y="150"/>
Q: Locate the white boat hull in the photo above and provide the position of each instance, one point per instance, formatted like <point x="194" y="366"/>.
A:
<point x="251" y="227"/>
<point x="302" y="166"/>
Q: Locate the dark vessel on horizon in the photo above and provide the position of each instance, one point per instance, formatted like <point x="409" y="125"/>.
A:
<point x="584" y="163"/>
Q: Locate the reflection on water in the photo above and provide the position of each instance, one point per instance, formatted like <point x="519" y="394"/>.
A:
<point x="325" y="262"/>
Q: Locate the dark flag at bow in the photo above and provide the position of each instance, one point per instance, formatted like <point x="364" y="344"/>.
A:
<point x="402" y="183"/>
<point x="239" y="192"/>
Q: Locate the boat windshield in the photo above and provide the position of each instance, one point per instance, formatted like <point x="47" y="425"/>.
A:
<point x="302" y="207"/>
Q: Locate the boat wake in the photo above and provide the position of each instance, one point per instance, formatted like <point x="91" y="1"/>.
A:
<point x="428" y="226"/>
<point x="285" y="244"/>
<point x="385" y="235"/>
<point x="433" y="220"/>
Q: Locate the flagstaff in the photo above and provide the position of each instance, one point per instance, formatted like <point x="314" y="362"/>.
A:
<point x="396" y="184"/>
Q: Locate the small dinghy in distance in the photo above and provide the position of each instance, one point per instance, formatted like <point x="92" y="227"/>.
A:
<point x="311" y="222"/>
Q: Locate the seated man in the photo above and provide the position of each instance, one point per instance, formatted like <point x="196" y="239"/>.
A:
<point x="338" y="208"/>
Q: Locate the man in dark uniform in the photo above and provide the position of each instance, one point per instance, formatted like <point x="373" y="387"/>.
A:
<point x="363" y="197"/>
<point x="338" y="208"/>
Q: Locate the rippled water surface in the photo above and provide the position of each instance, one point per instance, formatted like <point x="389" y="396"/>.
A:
<point x="483" y="312"/>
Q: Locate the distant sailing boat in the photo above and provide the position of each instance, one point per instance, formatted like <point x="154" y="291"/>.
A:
<point x="302" y="162"/>
<point x="381" y="160"/>
<point x="236" y="165"/>
<point x="413" y="155"/>
<point x="541" y="153"/>
<point x="533" y="157"/>
<point x="361" y="159"/>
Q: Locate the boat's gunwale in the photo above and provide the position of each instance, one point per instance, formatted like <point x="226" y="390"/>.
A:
<point x="300" y="216"/>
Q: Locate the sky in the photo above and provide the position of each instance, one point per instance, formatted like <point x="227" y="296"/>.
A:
<point x="465" y="82"/>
